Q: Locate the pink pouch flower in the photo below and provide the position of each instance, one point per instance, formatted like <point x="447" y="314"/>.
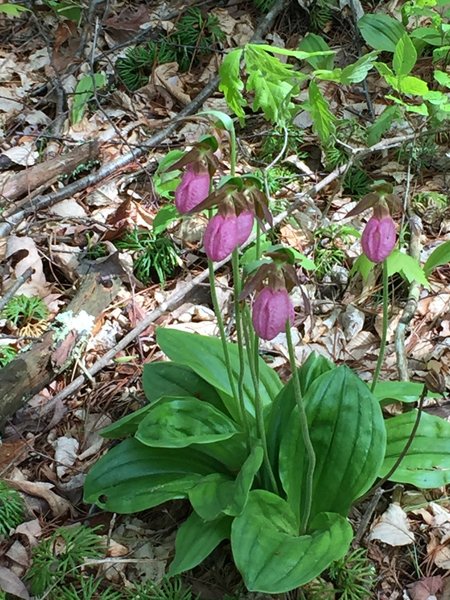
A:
<point x="193" y="189"/>
<point x="271" y="310"/>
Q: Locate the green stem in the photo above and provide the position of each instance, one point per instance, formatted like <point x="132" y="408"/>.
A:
<point x="385" y="326"/>
<point x="305" y="433"/>
<point x="233" y="151"/>
<point x="240" y="341"/>
<point x="253" y="359"/>
<point x="226" y="355"/>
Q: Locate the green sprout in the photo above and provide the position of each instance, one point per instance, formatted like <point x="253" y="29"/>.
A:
<point x="353" y="576"/>
<point x="60" y="555"/>
<point x="24" y="310"/>
<point x="194" y="36"/>
<point x="331" y="241"/>
<point x="168" y="589"/>
<point x="11" y="509"/>
<point x="156" y="256"/>
<point x="85" y="588"/>
<point x="7" y="354"/>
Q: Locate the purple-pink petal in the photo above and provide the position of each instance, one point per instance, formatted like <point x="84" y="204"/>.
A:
<point x="192" y="190"/>
<point x="244" y="226"/>
<point x="379" y="238"/>
<point x="271" y="310"/>
<point x="221" y="237"/>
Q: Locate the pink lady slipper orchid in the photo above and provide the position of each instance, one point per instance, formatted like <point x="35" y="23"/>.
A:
<point x="221" y="236"/>
<point x="379" y="238"/>
<point x="244" y="226"/>
<point x="193" y="188"/>
<point x="272" y="308"/>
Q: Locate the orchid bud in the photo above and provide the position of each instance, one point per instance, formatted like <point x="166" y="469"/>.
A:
<point x="221" y="236"/>
<point x="378" y="238"/>
<point x="271" y="310"/>
<point x="244" y="226"/>
<point x="193" y="189"/>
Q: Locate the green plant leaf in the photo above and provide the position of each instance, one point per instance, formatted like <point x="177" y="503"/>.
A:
<point x="405" y="56"/>
<point x="357" y="72"/>
<point x="382" y="124"/>
<point x="427" y="462"/>
<point x="281" y="411"/>
<point x="181" y="421"/>
<point x="412" y="86"/>
<point x="428" y="35"/>
<point x="408" y="267"/>
<point x="13" y="10"/>
<point x="231" y="84"/>
<point x="205" y="356"/>
<point x="315" y="43"/>
<point x="270" y="555"/>
<point x="195" y="540"/>
<point x="174" y="379"/>
<point x="348" y="435"/>
<point x="299" y="54"/>
<point x="323" y="119"/>
<point x="439" y="256"/>
<point x="167" y="214"/>
<point x="400" y="391"/>
<point x="272" y="82"/>
<point x="381" y="32"/>
<point x="84" y="92"/>
<point x="216" y="493"/>
<point x="133" y="477"/>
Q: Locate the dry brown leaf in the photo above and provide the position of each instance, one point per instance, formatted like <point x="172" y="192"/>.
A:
<point x="25" y="254"/>
<point x="167" y="76"/>
<point x="392" y="527"/>
<point x="128" y="216"/>
<point x="32" y="530"/>
<point x="11" y="584"/>
<point x="59" y="506"/>
<point x="426" y="588"/>
<point x="18" y="553"/>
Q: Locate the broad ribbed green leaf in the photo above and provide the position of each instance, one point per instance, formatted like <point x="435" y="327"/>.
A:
<point x="217" y="493"/>
<point x="401" y="391"/>
<point x="349" y="438"/>
<point x="427" y="462"/>
<point x="271" y="556"/>
<point x="205" y="356"/>
<point x="173" y="379"/>
<point x="181" y="421"/>
<point x="405" y="56"/>
<point x="195" y="540"/>
<point x="281" y="411"/>
<point x="133" y="477"/>
<point x="381" y="31"/>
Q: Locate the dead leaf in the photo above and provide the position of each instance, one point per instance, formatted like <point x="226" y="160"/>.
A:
<point x="32" y="530"/>
<point x="166" y="75"/>
<point x="58" y="505"/>
<point x="24" y="155"/>
<point x="427" y="588"/>
<point x="66" y="449"/>
<point x="69" y="209"/>
<point x="11" y="584"/>
<point x="128" y="216"/>
<point x="19" y="554"/>
<point x="392" y="527"/>
<point x="24" y="253"/>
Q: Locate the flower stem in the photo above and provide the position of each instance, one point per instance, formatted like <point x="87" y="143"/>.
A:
<point x="385" y="325"/>
<point x="253" y="359"/>
<point x="305" y="433"/>
<point x="226" y="355"/>
<point x="240" y="342"/>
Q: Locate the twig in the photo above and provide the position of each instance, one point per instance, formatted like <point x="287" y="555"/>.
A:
<point x="365" y="519"/>
<point x="15" y="286"/>
<point x="93" y="179"/>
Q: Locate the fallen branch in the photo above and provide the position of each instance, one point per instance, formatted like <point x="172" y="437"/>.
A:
<point x="16" y="286"/>
<point x="35" y="368"/>
<point x="47" y="200"/>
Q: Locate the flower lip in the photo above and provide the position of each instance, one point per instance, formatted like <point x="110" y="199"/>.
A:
<point x="193" y="188"/>
<point x="379" y="238"/>
<point x="221" y="236"/>
<point x="272" y="309"/>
